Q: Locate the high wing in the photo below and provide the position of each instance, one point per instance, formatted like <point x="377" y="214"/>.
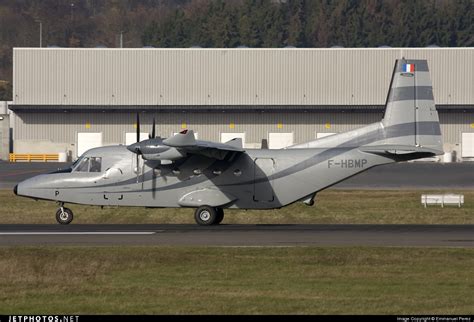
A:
<point x="186" y="143"/>
<point x="183" y="144"/>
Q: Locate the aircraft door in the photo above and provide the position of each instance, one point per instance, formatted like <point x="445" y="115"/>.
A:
<point x="263" y="190"/>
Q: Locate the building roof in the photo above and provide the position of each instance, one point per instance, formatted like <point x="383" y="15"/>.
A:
<point x="229" y="76"/>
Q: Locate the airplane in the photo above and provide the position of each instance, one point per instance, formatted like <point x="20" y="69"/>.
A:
<point x="181" y="171"/>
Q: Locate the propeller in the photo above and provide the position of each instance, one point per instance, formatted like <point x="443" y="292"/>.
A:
<point x="146" y="146"/>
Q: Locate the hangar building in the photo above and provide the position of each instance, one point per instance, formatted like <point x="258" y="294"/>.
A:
<point x="72" y="99"/>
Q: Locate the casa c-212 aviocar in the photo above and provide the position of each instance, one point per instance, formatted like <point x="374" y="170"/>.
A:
<point x="181" y="171"/>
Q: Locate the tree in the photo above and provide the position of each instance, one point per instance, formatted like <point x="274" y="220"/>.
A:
<point x="229" y="23"/>
<point x="5" y="91"/>
<point x="296" y="24"/>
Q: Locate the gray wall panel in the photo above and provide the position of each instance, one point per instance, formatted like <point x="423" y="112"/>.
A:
<point x="91" y="76"/>
<point x="453" y="124"/>
<point x="62" y="127"/>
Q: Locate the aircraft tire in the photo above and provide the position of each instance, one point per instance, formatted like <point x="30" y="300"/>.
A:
<point x="64" y="218"/>
<point x="205" y="215"/>
<point x="220" y="216"/>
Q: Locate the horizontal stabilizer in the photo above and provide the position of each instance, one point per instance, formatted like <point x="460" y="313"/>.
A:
<point x="398" y="149"/>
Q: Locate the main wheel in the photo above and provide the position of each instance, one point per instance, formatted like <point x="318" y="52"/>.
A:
<point x="205" y="215"/>
<point x="220" y="216"/>
<point x="64" y="216"/>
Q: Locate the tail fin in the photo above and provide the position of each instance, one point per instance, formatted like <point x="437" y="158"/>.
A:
<point x="410" y="116"/>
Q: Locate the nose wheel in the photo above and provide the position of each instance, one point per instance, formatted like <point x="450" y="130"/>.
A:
<point x="64" y="216"/>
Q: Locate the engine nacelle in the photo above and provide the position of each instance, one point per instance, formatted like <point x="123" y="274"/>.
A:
<point x="170" y="153"/>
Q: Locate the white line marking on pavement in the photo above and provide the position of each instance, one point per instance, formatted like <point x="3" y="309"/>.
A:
<point x="78" y="233"/>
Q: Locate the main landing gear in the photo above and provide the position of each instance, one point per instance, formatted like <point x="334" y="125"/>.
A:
<point x="206" y="215"/>
<point x="64" y="215"/>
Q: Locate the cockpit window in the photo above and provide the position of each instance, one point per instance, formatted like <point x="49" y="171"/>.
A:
<point x="83" y="165"/>
<point x="89" y="164"/>
<point x="95" y="164"/>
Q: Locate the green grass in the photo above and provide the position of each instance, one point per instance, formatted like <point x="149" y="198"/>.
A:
<point x="219" y="280"/>
<point x="224" y="280"/>
<point x="332" y="206"/>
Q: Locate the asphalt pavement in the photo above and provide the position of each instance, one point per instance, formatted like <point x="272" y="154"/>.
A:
<point x="240" y="235"/>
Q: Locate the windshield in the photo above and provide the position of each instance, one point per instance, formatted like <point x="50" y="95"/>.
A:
<point x="76" y="162"/>
<point x="83" y="165"/>
<point x="88" y="164"/>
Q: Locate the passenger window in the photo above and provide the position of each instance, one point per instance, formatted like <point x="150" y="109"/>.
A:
<point x="95" y="164"/>
<point x="83" y="165"/>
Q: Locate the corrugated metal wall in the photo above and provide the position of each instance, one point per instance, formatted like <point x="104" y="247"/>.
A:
<point x="453" y="124"/>
<point x="75" y="76"/>
<point x="62" y="127"/>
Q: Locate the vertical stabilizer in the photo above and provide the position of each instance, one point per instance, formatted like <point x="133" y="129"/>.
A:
<point x="410" y="113"/>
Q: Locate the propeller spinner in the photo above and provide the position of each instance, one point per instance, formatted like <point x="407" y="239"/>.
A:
<point x="153" y="148"/>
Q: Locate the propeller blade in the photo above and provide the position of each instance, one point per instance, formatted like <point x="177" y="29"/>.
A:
<point x="153" y="182"/>
<point x="138" y="166"/>
<point x="137" y="149"/>
<point x="153" y="133"/>
<point x="138" y="128"/>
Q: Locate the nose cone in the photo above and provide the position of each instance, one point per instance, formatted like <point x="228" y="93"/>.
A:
<point x="38" y="187"/>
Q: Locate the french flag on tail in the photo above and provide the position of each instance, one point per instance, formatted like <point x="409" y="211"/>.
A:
<point x="408" y="68"/>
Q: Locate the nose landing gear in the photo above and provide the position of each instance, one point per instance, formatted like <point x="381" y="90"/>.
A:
<point x="64" y="215"/>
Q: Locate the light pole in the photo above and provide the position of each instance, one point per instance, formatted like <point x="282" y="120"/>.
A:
<point x="121" y="38"/>
<point x="41" y="32"/>
<point x="72" y="14"/>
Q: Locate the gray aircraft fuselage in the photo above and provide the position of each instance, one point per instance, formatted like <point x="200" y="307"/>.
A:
<point x="254" y="179"/>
